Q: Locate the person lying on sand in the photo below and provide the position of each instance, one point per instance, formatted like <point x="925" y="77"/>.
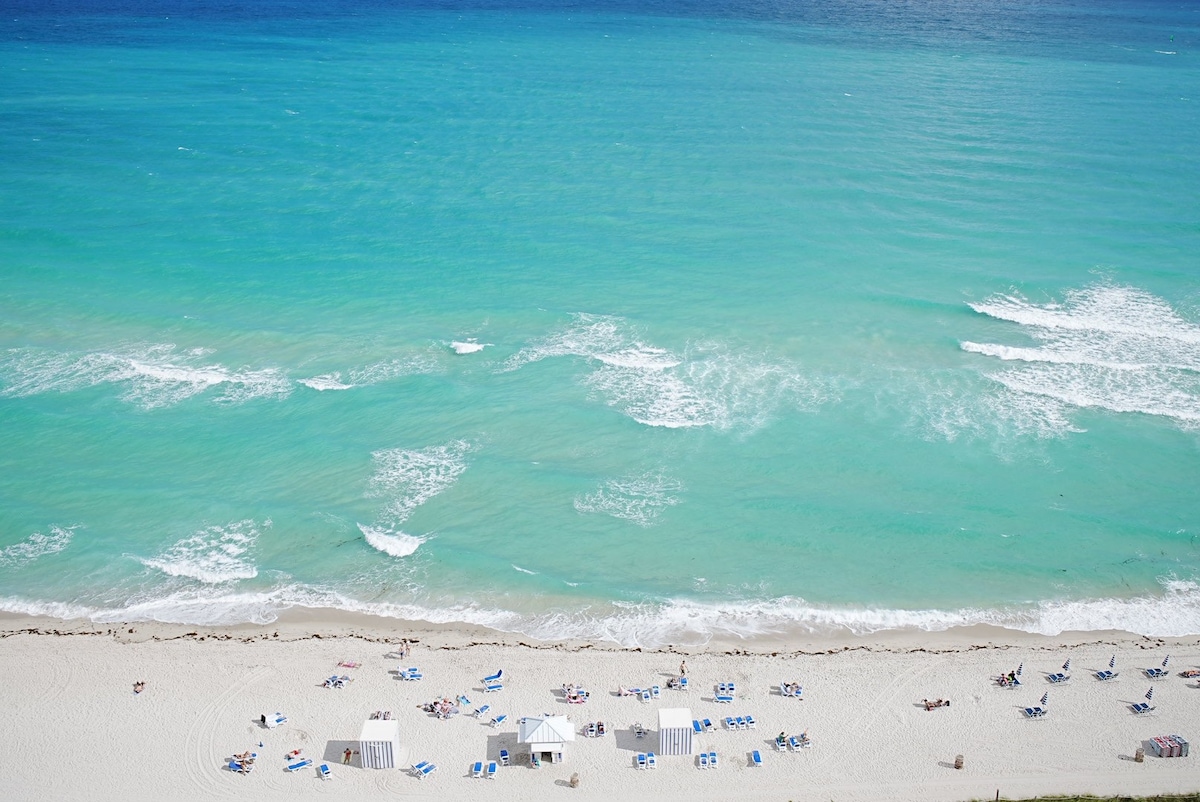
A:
<point x="139" y="686"/>
<point x="1191" y="673"/>
<point x="939" y="703"/>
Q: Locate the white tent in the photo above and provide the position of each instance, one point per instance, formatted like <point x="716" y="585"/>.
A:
<point x="379" y="744"/>
<point x="545" y="734"/>
<point x="674" y="731"/>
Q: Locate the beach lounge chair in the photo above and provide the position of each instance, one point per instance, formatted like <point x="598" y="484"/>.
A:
<point x="491" y="770"/>
<point x="641" y="760"/>
<point x="756" y="759"/>
<point x="410" y="674"/>
<point x="477" y="769"/>
<point x="750" y="722"/>
<point x="1141" y="707"/>
<point x="796" y="743"/>
<point x="326" y="774"/>
<point x="503" y="757"/>
<point x="697" y="726"/>
<point x="416" y="768"/>
<point x="1035" y="712"/>
<point x="1060" y="677"/>
<point x="655" y="692"/>
<point x="590" y="730"/>
<point x="1156" y="673"/>
<point x="712" y="760"/>
<point x="708" y="725"/>
<point x="1105" y="676"/>
<point x="480" y="712"/>
<point x="651" y="761"/>
<point x="683" y="683"/>
<point x="703" y="760"/>
<point x="723" y="698"/>
<point x="645" y="695"/>
<point x="430" y="768"/>
<point x="494" y="677"/>
<point x="275" y="720"/>
<point x="741" y="723"/>
<point x="500" y="719"/>
<point x="240" y="768"/>
<point x="299" y="764"/>
<point x="491" y="687"/>
<point x="781" y="744"/>
<point x="730" y="724"/>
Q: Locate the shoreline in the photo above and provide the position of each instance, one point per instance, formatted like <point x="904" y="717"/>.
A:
<point x="70" y="693"/>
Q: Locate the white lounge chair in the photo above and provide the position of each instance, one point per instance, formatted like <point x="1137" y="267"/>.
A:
<point x="712" y="760"/>
<point x="503" y="757"/>
<point x="480" y="712"/>
<point x="641" y="760"/>
<point x="703" y="760"/>
<point x="491" y="687"/>
<point x="326" y="774"/>
<point x="299" y="764"/>
<point x="1141" y="707"/>
<point x="498" y="720"/>
<point x="651" y="761"/>
<point x="756" y="759"/>
<point x="494" y="677"/>
<point x="491" y="770"/>
<point x="477" y="769"/>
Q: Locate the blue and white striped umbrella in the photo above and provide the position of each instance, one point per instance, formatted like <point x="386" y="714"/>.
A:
<point x="1149" y="694"/>
<point x="1045" y="698"/>
<point x="1166" y="660"/>
<point x="1112" y="663"/>
<point x="1019" y="669"/>
<point x="1067" y="665"/>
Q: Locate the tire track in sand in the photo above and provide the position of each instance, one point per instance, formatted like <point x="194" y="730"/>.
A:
<point x="201" y="739"/>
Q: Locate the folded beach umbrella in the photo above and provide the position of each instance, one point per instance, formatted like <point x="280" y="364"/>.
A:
<point x="1019" y="669"/>
<point x="1166" y="660"/>
<point x="1149" y="694"/>
<point x="1045" y="698"/>
<point x="1067" y="665"/>
<point x="1112" y="661"/>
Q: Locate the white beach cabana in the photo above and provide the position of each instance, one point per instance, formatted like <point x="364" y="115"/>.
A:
<point x="675" y="731"/>
<point x="379" y="744"/>
<point x="545" y="734"/>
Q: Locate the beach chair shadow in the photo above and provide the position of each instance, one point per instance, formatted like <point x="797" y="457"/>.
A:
<point x="626" y="741"/>
<point x="501" y="740"/>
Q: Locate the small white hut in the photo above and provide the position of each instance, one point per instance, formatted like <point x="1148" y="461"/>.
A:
<point x="545" y="736"/>
<point x="675" y="731"/>
<point x="379" y="744"/>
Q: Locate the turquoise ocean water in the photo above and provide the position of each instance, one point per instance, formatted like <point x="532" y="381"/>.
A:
<point x="644" y="322"/>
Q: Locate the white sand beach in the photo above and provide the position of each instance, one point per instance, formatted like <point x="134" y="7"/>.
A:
<point x="74" y="729"/>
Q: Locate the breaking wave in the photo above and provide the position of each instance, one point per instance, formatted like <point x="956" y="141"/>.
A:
<point x="1107" y="347"/>
<point x="151" y="376"/>
<point x="212" y="555"/>
<point x="375" y="373"/>
<point x="397" y="544"/>
<point x="708" y="385"/>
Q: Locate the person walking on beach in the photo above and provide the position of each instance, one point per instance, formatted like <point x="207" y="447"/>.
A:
<point x="346" y="757"/>
<point x="682" y="667"/>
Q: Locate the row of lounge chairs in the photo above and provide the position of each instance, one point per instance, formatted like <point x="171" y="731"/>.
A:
<point x="793" y="743"/>
<point x="739" y="723"/>
<point x="422" y="769"/>
<point x="338" y="682"/>
<point x="707" y="760"/>
<point x="479" y="769"/>
<point x="646" y="760"/>
<point x="702" y="725"/>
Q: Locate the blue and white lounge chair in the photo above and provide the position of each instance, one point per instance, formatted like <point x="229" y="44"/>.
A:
<point x="712" y="760"/>
<point x="1059" y="677"/>
<point x="708" y="725"/>
<point x="491" y="770"/>
<point x="1035" y="712"/>
<point x="697" y="726"/>
<point x="326" y="774"/>
<point x="241" y="768"/>
<point x="795" y="744"/>
<point x="683" y="683"/>
<point x="427" y="769"/>
<point x="413" y="673"/>
<point x="299" y="764"/>
<point x="723" y="698"/>
<point x="730" y="723"/>
<point x="491" y="687"/>
<point x="651" y="761"/>
<point x="494" y="677"/>
<point x="480" y="712"/>
<point x="1141" y="707"/>
<point x="477" y="769"/>
<point x="500" y="719"/>
<point x="1105" y="676"/>
<point x="274" y="720"/>
<point x="417" y="768"/>
<point x="1156" y="673"/>
<point x="703" y="760"/>
<point x="780" y="744"/>
<point x="756" y="759"/>
<point x="646" y="695"/>
<point x="741" y="722"/>
<point x="503" y="757"/>
<point x="750" y="723"/>
<point x="641" y="760"/>
<point x="655" y="692"/>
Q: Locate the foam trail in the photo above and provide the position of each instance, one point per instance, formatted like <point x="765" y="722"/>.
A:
<point x="375" y="373"/>
<point x="640" y="499"/>
<point x="213" y="555"/>
<point x="327" y="381"/>
<point x="397" y="544"/>
<point x="706" y="386"/>
<point x="1107" y="347"/>
<point x="151" y="376"/>
<point x="468" y="347"/>
<point x="35" y="546"/>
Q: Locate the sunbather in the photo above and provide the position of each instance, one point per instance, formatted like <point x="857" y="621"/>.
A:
<point x="934" y="705"/>
<point x="781" y="738"/>
<point x="139" y="686"/>
<point x="599" y="728"/>
<point x="1191" y="673"/>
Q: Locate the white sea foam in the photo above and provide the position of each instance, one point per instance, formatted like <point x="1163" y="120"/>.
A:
<point x="640" y="498"/>
<point x="468" y="347"/>
<point x="151" y="375"/>
<point x="524" y="570"/>
<point x="397" y="544"/>
<point x="1107" y="347"/>
<point x="327" y="381"/>
<point x="213" y="555"/>
<point x="36" y="545"/>
<point x="1173" y="612"/>
<point x="406" y="479"/>
<point x="708" y="385"/>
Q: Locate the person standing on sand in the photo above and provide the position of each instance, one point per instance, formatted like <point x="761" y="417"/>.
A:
<point x="346" y="757"/>
<point x="682" y="667"/>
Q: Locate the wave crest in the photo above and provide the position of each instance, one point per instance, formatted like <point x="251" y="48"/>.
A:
<point x="35" y="546"/>
<point x="640" y="499"/>
<point x="212" y="555"/>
